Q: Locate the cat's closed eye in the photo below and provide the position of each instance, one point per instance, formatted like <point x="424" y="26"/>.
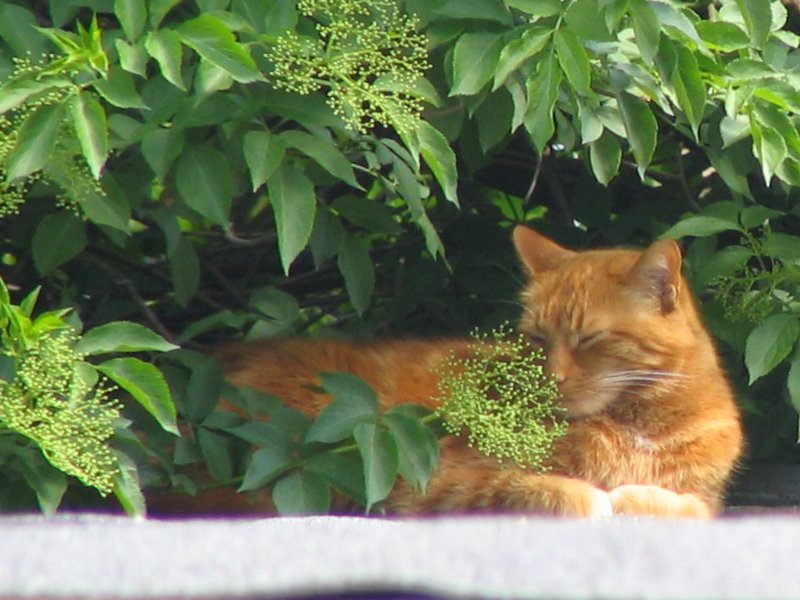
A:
<point x="537" y="339"/>
<point x="587" y="340"/>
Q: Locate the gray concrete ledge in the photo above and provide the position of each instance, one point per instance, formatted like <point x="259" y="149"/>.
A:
<point x="89" y="556"/>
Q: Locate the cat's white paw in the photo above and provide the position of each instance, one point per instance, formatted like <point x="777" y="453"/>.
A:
<point x="655" y="501"/>
<point x="600" y="504"/>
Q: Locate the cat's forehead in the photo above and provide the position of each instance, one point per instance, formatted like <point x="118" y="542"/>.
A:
<point x="578" y="291"/>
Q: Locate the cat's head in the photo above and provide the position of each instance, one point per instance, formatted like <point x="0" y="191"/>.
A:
<point x="614" y="323"/>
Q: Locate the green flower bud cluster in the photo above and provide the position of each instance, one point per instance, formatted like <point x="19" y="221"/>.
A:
<point x="368" y="56"/>
<point x="759" y="287"/>
<point x="66" y="167"/>
<point x="748" y="294"/>
<point x="498" y="394"/>
<point x="63" y="408"/>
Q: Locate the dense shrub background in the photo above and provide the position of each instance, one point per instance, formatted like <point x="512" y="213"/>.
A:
<point x="165" y="162"/>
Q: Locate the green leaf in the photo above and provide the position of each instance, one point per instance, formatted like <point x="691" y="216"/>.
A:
<point x="210" y="79"/>
<point x="276" y="304"/>
<point x="354" y="402"/>
<point x="573" y="60"/>
<point x="146" y="384"/>
<point x="132" y="57"/>
<point x="294" y="203"/>
<point x="48" y="483"/>
<point x="263" y="153"/>
<point x="699" y="226"/>
<point x="475" y="59"/>
<point x="770" y="117"/>
<point x="127" y="488"/>
<point x="756" y="216"/>
<point x="418" y="449"/>
<point x="641" y="128"/>
<point x="132" y="15"/>
<point x="690" y="91"/>
<point x="324" y="152"/>
<point x="343" y="470"/>
<point x="161" y="148"/>
<point x="16" y="92"/>
<point x="438" y="155"/>
<point x="542" y="96"/>
<point x="213" y="40"/>
<point x="782" y="245"/>
<point x="35" y="141"/>
<point x="58" y="238"/>
<point x="89" y="119"/>
<point x="540" y="8"/>
<point x="723" y="263"/>
<point x="327" y="236"/>
<point x="518" y="51"/>
<point x="769" y="343"/>
<point x="494" y="117"/>
<point x="485" y="10"/>
<point x="159" y="10"/>
<point x="793" y="381"/>
<point x="204" y="181"/>
<point x="732" y="130"/>
<point x="358" y="270"/>
<point x="119" y="89"/>
<point x="185" y="271"/>
<point x="769" y="146"/>
<point x="605" y="156"/>
<point x="347" y="385"/>
<point x="165" y="46"/>
<point x="757" y="18"/>
<point x="256" y="433"/>
<point x="646" y="27"/>
<point x="122" y="336"/>
<point x="311" y="110"/>
<point x="378" y="450"/>
<point x="302" y="492"/>
<point x="205" y="386"/>
<point x="269" y="462"/>
<point x="18" y="30"/>
<point x="746" y="69"/>
<point x="186" y="452"/>
<point x="584" y="18"/>
<point x="366" y="213"/>
<point x="722" y="36"/>
<point x="216" y="452"/>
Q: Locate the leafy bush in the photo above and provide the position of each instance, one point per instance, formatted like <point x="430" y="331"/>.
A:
<point x="224" y="168"/>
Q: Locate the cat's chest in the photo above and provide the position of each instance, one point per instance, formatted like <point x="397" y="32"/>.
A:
<point x="638" y="441"/>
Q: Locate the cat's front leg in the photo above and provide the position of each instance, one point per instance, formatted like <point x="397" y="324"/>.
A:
<point x="502" y="490"/>
<point x="655" y="501"/>
<point x="559" y="496"/>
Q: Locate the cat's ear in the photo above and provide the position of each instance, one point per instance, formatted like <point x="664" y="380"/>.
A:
<point x="536" y="251"/>
<point x="657" y="274"/>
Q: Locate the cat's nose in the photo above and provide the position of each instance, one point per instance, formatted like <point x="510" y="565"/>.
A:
<point x="558" y="363"/>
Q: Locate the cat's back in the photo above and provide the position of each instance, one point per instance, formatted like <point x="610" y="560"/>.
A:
<point x="400" y="370"/>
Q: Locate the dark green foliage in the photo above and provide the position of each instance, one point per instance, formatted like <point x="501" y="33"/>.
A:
<point x="158" y="166"/>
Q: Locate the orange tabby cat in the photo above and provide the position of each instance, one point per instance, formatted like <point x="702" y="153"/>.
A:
<point x="653" y="429"/>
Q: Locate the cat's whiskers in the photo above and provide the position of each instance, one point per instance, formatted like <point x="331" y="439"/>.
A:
<point x="638" y="382"/>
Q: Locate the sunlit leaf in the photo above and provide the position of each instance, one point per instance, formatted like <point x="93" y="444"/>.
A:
<point x="769" y="343"/>
<point x="146" y="384"/>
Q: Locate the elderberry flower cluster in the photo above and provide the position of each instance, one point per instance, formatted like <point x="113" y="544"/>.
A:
<point x="499" y="395"/>
<point x="368" y="56"/>
<point x="63" y="409"/>
<point x="66" y="168"/>
<point x="758" y="287"/>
